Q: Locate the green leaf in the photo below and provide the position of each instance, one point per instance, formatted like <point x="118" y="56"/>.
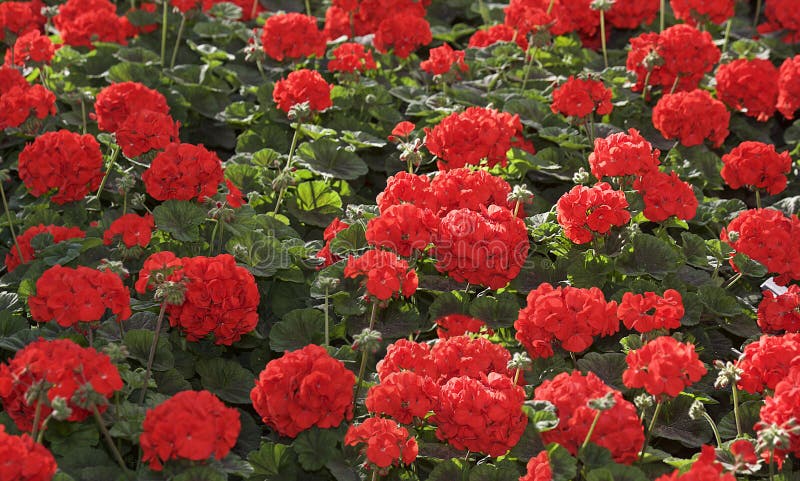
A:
<point x="719" y="301"/>
<point x="694" y="249"/>
<point x="316" y="203"/>
<point x="748" y="266"/>
<point x="674" y="423"/>
<point x="262" y="254"/>
<point x="649" y="256"/>
<point x="608" y="366"/>
<point x="749" y="413"/>
<point x="361" y="140"/>
<point x="350" y="240"/>
<point x="542" y="414"/>
<point x="128" y="421"/>
<point x="297" y="329"/>
<point x="594" y="456"/>
<point x="503" y="471"/>
<point x="273" y="462"/>
<point x="138" y="342"/>
<point x="201" y="473"/>
<point x="496" y="312"/>
<point x="326" y="157"/>
<point x="227" y="379"/>
<point x="616" y="472"/>
<point x="447" y="471"/>
<point x="563" y="465"/>
<point x="180" y="218"/>
<point x="171" y="382"/>
<point x="316" y="447"/>
<point x="453" y="302"/>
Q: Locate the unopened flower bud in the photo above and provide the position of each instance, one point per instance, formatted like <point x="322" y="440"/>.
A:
<point x="602" y="5"/>
<point x="652" y="60"/>
<point x="521" y="361"/>
<point x="171" y="292"/>
<point x="300" y="111"/>
<point x="697" y="409"/>
<point x="643" y="401"/>
<point x="603" y="403"/>
<point x="581" y="177"/>
<point x="61" y="409"/>
<point x="369" y="340"/>
<point x="728" y="374"/>
<point x="117" y="352"/>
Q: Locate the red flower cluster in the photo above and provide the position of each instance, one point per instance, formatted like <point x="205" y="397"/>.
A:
<point x="350" y="57"/>
<point x="146" y="130"/>
<point x="789" y="87"/>
<point x="303" y="86"/>
<point x="304" y="388"/>
<point x="65" y="162"/>
<point x="250" y="8"/>
<point x="568" y="314"/>
<point x="666" y="195"/>
<point x="618" y="429"/>
<point x="404" y="187"/>
<point x="579" y="98"/>
<point x="118" y="102"/>
<point x="696" y="12"/>
<point x="538" y="468"/>
<point x="193" y="425"/>
<point x="221" y="299"/>
<point x="134" y="230"/>
<point x="584" y="212"/>
<point x="81" y="22"/>
<point x="621" y="155"/>
<point x="471" y="357"/>
<point x="387" y="275"/>
<point x="19" y="99"/>
<point x="404" y="32"/>
<point x="782" y="15"/>
<point x="780" y="313"/>
<point x="183" y="172"/>
<point x="648" y="312"/>
<point x="682" y="53"/>
<point x="31" y="47"/>
<point x="756" y="165"/>
<point x="692" y="117"/>
<point x="783" y="410"/>
<point x="387" y="444"/>
<point x="769" y="237"/>
<point x="497" y="33"/>
<point x="749" y="86"/>
<point x="403" y="396"/>
<point x="629" y="14"/>
<point x="442" y="59"/>
<point x="705" y="468"/>
<point x="663" y="366"/>
<point x="403" y="228"/>
<point x="20" y="17"/>
<point x="468" y="137"/>
<point x="328" y="235"/>
<point x="164" y="261"/>
<point x="367" y="15"/>
<point x="67" y="368"/>
<point x="405" y="355"/>
<point x="292" y="35"/>
<point x="468" y="189"/>
<point x="453" y="325"/>
<point x="481" y="414"/>
<point x="24" y="459"/>
<point x="767" y="361"/>
<point x="486" y="247"/>
<point x="58" y="233"/>
<point x="70" y="296"/>
<point x="526" y="16"/>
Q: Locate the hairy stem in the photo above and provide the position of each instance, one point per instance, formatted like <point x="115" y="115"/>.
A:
<point x="151" y="357"/>
<point x="177" y="42"/>
<point x="108" y="438"/>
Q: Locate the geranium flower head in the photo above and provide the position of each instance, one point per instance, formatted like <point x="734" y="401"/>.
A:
<point x="303" y="86"/>
<point x="292" y="36"/>
<point x="756" y="165"/>
<point x="387" y="444"/>
<point x="663" y="366"/>
<point x="387" y="275"/>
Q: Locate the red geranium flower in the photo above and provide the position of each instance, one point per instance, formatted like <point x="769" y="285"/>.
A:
<point x="18" y="99"/>
<point x="405" y="355"/>
<point x="584" y="212"/>
<point x="648" y="312"/>
<point x="82" y="22"/>
<point x="705" y="468"/>
<point x="183" y="172"/>
<point x="453" y="325"/>
<point x="403" y="188"/>
<point x="756" y="165"/>
<point x="782" y="409"/>
<point x="468" y="356"/>
<point x="351" y="57"/>
<point x="193" y="425"/>
<point x="291" y="36"/>
<point x="325" y="253"/>
<point x="146" y="130"/>
<point x="789" y="87"/>
<point x="623" y="154"/>
<point x="781" y="312"/>
<point x="387" y="275"/>
<point x="441" y="60"/>
<point x="579" y="98"/>
<point x="117" y="102"/>
<point x="525" y="16"/>
<point x="20" y="18"/>
<point x="538" y="468"/>
<point x="630" y="14"/>
<point x="767" y="361"/>
<point x="692" y="117"/>
<point x="303" y="86"/>
<point x="403" y="396"/>
<point x="663" y="366"/>
<point x="24" y="459"/>
<point x="497" y="33"/>
<point x="666" y="195"/>
<point x="58" y="233"/>
<point x="134" y="230"/>
<point x="304" y="388"/>
<point x="31" y="47"/>
<point x="702" y="11"/>
<point x="464" y="188"/>
<point x="402" y="129"/>
<point x="404" y="33"/>
<point x="166" y="262"/>
<point x="749" y="86"/>
<point x="782" y="15"/>
<point x="387" y="444"/>
<point x="403" y="228"/>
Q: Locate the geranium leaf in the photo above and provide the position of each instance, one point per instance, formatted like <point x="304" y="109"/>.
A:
<point x="227" y="379"/>
<point x="273" y="462"/>
<point x="180" y="218"/>
<point x="297" y="329"/>
<point x="315" y="447"/>
<point x="326" y="157"/>
<point x="138" y="342"/>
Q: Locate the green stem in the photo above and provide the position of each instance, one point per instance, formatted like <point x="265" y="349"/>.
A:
<point x="484" y="12"/>
<point x="674" y="84"/>
<point x="733" y="280"/>
<point x="758" y="199"/>
<point x="516" y="375"/>
<point x="114" y="154"/>
<point x="364" y="356"/>
<point x="591" y="429"/>
<point x="254" y="9"/>
<point x="286" y="168"/>
<point x="178" y="41"/>
<point x="736" y="413"/>
<point x="11" y="223"/>
<point x="727" y="35"/>
<point x="164" y="26"/>
<point x="83" y="114"/>
<point x="308" y="8"/>
<point x="646" y="84"/>
<point x="107" y="437"/>
<point x="40" y="437"/>
<point x="528" y="66"/>
<point x="37" y="414"/>
<point x="152" y="355"/>
<point x="650" y="429"/>
<point x="603" y="36"/>
<point x="327" y="320"/>
<point x="213" y="238"/>
<point x="755" y="17"/>
<point x="662" y="20"/>
<point x="550" y="6"/>
<point x="713" y="428"/>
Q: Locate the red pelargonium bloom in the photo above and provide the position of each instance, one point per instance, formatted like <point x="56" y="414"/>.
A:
<point x="304" y="388"/>
<point x="585" y="212"/>
<point x="185" y="5"/>
<point x="221" y="299"/>
<point x="769" y="237"/>
<point x="325" y="253"/>
<point x="19" y="100"/>
<point x="405" y="355"/>
<point x="64" y="370"/>
<point x="166" y="262"/>
<point x="82" y="22"/>
<point x="407" y="188"/>
<point x="183" y="172"/>
<point x="291" y="36"/>
<point x="486" y="247"/>
<point x="387" y="444"/>
<point x="570" y="315"/>
<point x="692" y="117"/>
<point x="681" y="54"/>
<point x="453" y="325"/>
<point x="526" y="16"/>
<point x="469" y="137"/>
<point x="31" y="47"/>
<point x="67" y="163"/>
<point x="648" y="312"/>
<point x="132" y="228"/>
<point x="497" y="33"/>
<point x="192" y="425"/>
<point x="666" y="195"/>
<point x="403" y="33"/>
<point x="388" y="276"/>
<point x="402" y="130"/>
<point x="756" y="165"/>
<point x="581" y="97"/>
<point x="778" y="313"/>
<point x="146" y="130"/>
<point x="767" y="361"/>
<point x="481" y="414"/>
<point x="783" y="410"/>
<point x="784" y="16"/>
<point x="70" y="296"/>
<point x="303" y="86"/>
<point x="789" y="87"/>
<point x="696" y="12"/>
<point x="705" y="468"/>
<point x="441" y="60"/>
<point x="234" y="198"/>
<point x="538" y="468"/>
<point x="117" y="102"/>
<point x="630" y="14"/>
<point x="250" y="8"/>
<point x="403" y="396"/>
<point x="20" y="17"/>
<point x="58" y="233"/>
<point x="663" y="366"/>
<point x="351" y="57"/>
<point x="618" y="429"/>
<point x="403" y="228"/>
<point x="749" y="86"/>
<point x="623" y="154"/>
<point x="465" y="188"/>
<point x="24" y="459"/>
<point x="468" y="356"/>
